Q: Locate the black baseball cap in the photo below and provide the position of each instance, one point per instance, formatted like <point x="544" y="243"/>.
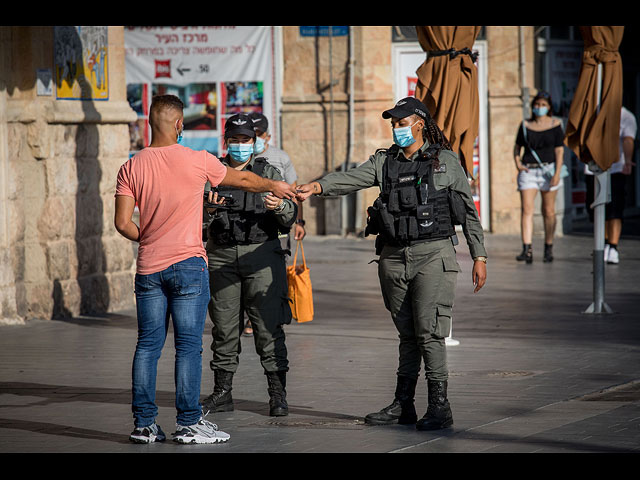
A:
<point x="405" y="107"/>
<point x="239" y="124"/>
<point x="260" y="122"/>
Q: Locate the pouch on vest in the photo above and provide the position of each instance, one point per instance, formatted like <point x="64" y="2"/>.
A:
<point x="425" y="217"/>
<point x="412" y="228"/>
<point x="387" y="221"/>
<point x="220" y="221"/>
<point x="457" y="208"/>
<point x="408" y="197"/>
<point x="373" y="222"/>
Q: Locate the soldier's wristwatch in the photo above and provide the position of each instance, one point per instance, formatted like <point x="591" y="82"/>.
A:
<point x="300" y="222"/>
<point x="481" y="259"/>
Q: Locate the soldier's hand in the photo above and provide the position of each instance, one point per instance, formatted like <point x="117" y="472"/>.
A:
<point x="271" y="202"/>
<point x="306" y="190"/>
<point x="300" y="232"/>
<point x="479" y="275"/>
<point x="283" y="190"/>
<point x="213" y="198"/>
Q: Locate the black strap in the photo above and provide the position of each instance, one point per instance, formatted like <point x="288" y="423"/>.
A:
<point x="453" y="53"/>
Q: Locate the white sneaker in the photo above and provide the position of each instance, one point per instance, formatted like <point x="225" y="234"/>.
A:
<point x="607" y="247"/>
<point x="201" y="432"/>
<point x="613" y="257"/>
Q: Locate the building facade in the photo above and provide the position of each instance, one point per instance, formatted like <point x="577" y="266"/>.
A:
<point x="71" y="111"/>
<point x="63" y="135"/>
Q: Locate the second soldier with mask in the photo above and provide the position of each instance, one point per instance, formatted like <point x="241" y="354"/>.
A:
<point x="424" y="194"/>
<point x="247" y="270"/>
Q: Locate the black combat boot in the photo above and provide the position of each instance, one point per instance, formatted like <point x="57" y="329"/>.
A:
<point x="277" y="383"/>
<point x="402" y="410"/>
<point x="220" y="400"/>
<point x="439" y="411"/>
<point x="527" y="253"/>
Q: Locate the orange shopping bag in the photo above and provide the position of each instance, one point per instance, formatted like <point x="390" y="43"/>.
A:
<point x="300" y="295"/>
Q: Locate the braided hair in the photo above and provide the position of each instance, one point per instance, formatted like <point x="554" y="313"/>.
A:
<point x="432" y="134"/>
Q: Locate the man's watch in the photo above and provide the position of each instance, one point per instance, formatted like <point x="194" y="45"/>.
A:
<point x="280" y="207"/>
<point x="300" y="222"/>
<point x="481" y="259"/>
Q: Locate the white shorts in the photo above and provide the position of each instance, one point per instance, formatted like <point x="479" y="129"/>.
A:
<point x="534" y="179"/>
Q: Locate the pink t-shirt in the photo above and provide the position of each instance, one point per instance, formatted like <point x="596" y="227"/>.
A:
<point x="168" y="185"/>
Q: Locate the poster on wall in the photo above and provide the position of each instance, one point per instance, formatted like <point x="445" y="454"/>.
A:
<point x="216" y="71"/>
<point x="81" y="62"/>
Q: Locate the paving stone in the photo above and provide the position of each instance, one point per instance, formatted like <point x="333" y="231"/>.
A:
<point x="532" y="372"/>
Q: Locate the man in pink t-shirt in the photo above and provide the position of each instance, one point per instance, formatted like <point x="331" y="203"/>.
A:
<point x="166" y="181"/>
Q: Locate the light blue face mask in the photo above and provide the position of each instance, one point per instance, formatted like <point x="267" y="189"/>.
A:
<point x="240" y="152"/>
<point x="403" y="137"/>
<point x="258" y="147"/>
<point x="179" y="139"/>
<point x="540" y="111"/>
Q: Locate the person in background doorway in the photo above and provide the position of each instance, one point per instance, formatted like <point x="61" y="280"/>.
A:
<point x="619" y="170"/>
<point x="281" y="160"/>
<point x="540" y="135"/>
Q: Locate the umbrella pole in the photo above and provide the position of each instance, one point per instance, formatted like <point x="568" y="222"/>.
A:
<point x="601" y="197"/>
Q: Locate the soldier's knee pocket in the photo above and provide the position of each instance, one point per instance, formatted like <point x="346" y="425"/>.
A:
<point x="442" y="327"/>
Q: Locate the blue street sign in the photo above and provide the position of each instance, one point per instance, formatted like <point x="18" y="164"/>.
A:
<point x="323" y="31"/>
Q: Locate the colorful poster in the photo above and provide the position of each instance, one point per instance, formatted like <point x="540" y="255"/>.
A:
<point x="216" y="71"/>
<point x="81" y="63"/>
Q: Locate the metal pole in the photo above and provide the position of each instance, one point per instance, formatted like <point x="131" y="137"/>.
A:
<point x="523" y="75"/>
<point x="347" y="162"/>
<point x="602" y="195"/>
<point x="331" y="158"/>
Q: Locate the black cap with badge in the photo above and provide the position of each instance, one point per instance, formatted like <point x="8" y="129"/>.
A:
<point x="405" y="107"/>
<point x="260" y="122"/>
<point x="239" y="124"/>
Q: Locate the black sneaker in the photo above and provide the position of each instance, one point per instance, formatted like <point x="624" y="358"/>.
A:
<point x="150" y="434"/>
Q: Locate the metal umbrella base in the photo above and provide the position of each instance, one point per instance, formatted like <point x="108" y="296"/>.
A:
<point x="601" y="197"/>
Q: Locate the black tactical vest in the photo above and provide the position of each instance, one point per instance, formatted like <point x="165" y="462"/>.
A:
<point x="247" y="220"/>
<point x="410" y="209"/>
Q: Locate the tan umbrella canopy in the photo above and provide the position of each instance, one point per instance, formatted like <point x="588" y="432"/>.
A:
<point x="448" y="85"/>
<point x="596" y="136"/>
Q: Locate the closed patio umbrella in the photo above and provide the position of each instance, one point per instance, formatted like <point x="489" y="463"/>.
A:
<point x="593" y="130"/>
<point x="593" y="127"/>
<point x="448" y="84"/>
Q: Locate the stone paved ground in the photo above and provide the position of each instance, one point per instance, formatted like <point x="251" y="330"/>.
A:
<point x="531" y="372"/>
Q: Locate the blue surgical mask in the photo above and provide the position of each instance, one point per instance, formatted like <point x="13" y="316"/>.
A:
<point x="240" y="152"/>
<point x="258" y="147"/>
<point x="179" y="139"/>
<point x="540" y="111"/>
<point x="403" y="136"/>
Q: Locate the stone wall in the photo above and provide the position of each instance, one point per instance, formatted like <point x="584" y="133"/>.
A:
<point x="59" y="159"/>
<point x="307" y="110"/>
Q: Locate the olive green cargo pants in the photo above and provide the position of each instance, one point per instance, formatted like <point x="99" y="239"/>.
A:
<point x="418" y="287"/>
<point x="251" y="279"/>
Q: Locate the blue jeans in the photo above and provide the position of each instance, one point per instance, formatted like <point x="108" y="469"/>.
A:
<point x="181" y="292"/>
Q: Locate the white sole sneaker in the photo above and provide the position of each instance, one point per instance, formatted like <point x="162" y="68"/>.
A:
<point x="201" y="432"/>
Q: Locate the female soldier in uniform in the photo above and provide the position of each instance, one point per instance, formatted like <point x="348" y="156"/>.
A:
<point x="424" y="193"/>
